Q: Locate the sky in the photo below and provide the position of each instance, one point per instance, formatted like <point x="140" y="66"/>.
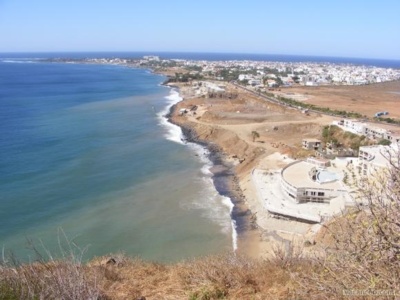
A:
<point x="342" y="28"/>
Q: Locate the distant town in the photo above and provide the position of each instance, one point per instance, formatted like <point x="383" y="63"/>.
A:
<point x="262" y="74"/>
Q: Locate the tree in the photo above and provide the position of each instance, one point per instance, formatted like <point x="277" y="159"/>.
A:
<point x="384" y="142"/>
<point x="244" y="82"/>
<point x="255" y="135"/>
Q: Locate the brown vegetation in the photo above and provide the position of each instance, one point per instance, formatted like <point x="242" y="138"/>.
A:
<point x="217" y="277"/>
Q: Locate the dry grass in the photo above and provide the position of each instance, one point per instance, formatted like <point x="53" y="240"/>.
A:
<point x="119" y="277"/>
<point x="216" y="277"/>
<point x="48" y="277"/>
<point x="286" y="275"/>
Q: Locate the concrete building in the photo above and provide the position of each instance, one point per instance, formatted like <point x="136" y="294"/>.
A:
<point x="151" y="58"/>
<point x="254" y="82"/>
<point x="377" y="157"/>
<point x="312" y="144"/>
<point x="310" y="191"/>
<point x="372" y="132"/>
<point x="245" y="77"/>
<point x="312" y="181"/>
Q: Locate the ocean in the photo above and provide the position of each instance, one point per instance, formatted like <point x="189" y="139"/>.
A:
<point x="88" y="156"/>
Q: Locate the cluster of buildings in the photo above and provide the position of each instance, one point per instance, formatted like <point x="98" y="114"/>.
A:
<point x="258" y="73"/>
<point x="203" y="88"/>
<point x="315" y="189"/>
<point x="370" y="131"/>
<point x="268" y="73"/>
<point x="348" y="75"/>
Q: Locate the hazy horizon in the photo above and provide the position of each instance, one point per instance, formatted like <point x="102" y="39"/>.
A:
<point x="160" y="52"/>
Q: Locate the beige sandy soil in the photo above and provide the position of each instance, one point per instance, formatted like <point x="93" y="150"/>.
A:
<point x="366" y="99"/>
<point x="229" y="123"/>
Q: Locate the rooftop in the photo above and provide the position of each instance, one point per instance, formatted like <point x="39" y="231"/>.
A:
<point x="381" y="153"/>
<point x="312" y="140"/>
<point x="297" y="175"/>
<point x="270" y="193"/>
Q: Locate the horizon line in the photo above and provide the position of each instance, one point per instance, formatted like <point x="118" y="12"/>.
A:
<point x="192" y="52"/>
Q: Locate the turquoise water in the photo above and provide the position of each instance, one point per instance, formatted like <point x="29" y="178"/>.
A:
<point x="85" y="149"/>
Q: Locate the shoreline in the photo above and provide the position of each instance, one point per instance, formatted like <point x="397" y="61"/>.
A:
<point x="224" y="179"/>
<point x="226" y="182"/>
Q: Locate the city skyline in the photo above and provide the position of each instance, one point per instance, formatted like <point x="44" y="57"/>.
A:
<point x="359" y="29"/>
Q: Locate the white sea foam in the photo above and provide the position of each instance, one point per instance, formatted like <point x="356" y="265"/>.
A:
<point x="174" y="132"/>
<point x="202" y="154"/>
<point x="216" y="207"/>
<point x="234" y="236"/>
<point x="18" y="61"/>
<point x="228" y="203"/>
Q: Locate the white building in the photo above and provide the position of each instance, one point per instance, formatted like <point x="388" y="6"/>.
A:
<point x="254" y="82"/>
<point x="369" y="131"/>
<point x="151" y="58"/>
<point x="244" y="77"/>
<point x="377" y="157"/>
<point x="312" y="144"/>
<point x="308" y="181"/>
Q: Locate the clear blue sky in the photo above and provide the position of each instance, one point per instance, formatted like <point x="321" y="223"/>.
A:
<point x="348" y="28"/>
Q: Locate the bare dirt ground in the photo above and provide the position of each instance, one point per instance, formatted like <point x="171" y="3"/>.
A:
<point x="366" y="99"/>
<point x="278" y="128"/>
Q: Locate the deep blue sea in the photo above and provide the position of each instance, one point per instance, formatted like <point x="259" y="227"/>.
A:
<point x="85" y="151"/>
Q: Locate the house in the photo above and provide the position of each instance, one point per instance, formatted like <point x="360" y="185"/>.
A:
<point x="312" y="144"/>
<point x="271" y="83"/>
<point x="244" y="77"/>
<point x="376" y="157"/>
<point x="369" y="131"/>
<point x="254" y="82"/>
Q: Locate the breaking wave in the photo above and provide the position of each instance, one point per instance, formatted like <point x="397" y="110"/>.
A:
<point x="215" y="206"/>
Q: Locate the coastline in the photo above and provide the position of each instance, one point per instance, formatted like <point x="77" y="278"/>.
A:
<point x="227" y="183"/>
